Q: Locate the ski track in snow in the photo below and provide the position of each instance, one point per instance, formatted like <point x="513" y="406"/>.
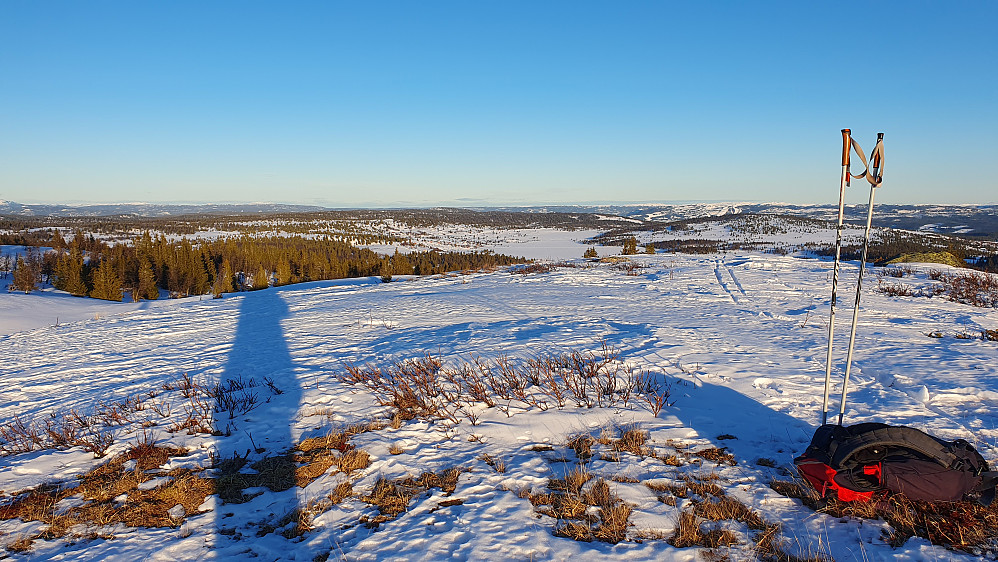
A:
<point x="742" y="337"/>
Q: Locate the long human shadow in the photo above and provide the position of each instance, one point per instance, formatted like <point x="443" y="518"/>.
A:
<point x="260" y="352"/>
<point x="749" y="429"/>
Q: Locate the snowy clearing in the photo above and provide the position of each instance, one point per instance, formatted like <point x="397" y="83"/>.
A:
<point x="740" y="339"/>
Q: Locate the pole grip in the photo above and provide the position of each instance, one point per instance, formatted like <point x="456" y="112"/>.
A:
<point x="876" y="155"/>
<point x="846" y="145"/>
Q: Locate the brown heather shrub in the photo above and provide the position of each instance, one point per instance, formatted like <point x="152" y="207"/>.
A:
<point x="532" y="268"/>
<point x="973" y="288"/>
<point x="422" y="388"/>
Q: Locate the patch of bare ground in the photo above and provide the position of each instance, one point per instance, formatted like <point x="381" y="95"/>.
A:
<point x="392" y="497"/>
<point x="962" y="526"/>
<point x="119" y="491"/>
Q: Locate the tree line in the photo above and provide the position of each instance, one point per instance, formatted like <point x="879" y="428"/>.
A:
<point x="86" y="266"/>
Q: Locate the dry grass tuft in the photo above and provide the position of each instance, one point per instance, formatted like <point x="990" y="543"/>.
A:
<point x="672" y="460"/>
<point x="117" y="491"/>
<point x="99" y="489"/>
<point x="572" y="482"/>
<point x="633" y="441"/>
<point x="569" y="506"/>
<point x="704" y="486"/>
<point x="580" y="531"/>
<point x="572" y="508"/>
<point x="689" y="533"/>
<point x="353" y="461"/>
<point x="496" y="463"/>
<point x="582" y="445"/>
<point x="717" y="455"/>
<point x="623" y="478"/>
<point x="20" y="544"/>
<point x="389" y="497"/>
<point x="599" y="494"/>
<point x="769" y="548"/>
<point x="613" y="522"/>
<point x="729" y="509"/>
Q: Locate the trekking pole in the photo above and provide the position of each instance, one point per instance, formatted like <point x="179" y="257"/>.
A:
<point x="875" y="179"/>
<point x="843" y="184"/>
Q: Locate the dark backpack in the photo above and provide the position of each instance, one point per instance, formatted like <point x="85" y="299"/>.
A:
<point x="859" y="460"/>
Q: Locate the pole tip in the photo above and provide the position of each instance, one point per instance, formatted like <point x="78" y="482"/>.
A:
<point x="846" y="131"/>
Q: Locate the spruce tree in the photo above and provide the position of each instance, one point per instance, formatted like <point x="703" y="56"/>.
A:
<point x="223" y="280"/>
<point x="24" y="276"/>
<point x="385" y="270"/>
<point x="283" y="273"/>
<point x="107" y="284"/>
<point x="69" y="274"/>
<point x="147" y="282"/>
<point x="58" y="242"/>
<point x="650" y="248"/>
<point x="260" y="280"/>
<point x="630" y="246"/>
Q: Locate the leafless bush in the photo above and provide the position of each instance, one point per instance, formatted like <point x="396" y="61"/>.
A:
<point x="199" y="414"/>
<point x="233" y="396"/>
<point x="424" y="388"/>
<point x="62" y="431"/>
<point x="19" y="437"/>
<point x="269" y="382"/>
<point x="532" y="268"/>
<point x="895" y="289"/>
<point x="898" y="271"/>
<point x="974" y="288"/>
<point x="96" y="440"/>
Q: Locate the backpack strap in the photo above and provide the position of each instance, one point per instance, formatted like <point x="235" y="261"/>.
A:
<point x="986" y="489"/>
<point x="893" y="436"/>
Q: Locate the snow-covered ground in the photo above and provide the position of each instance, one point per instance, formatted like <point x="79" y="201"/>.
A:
<point x="741" y="337"/>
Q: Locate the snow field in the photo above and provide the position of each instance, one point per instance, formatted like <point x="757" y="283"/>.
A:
<point x="741" y="337"/>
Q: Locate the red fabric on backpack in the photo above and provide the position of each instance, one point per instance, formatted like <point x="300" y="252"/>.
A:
<point x="822" y="478"/>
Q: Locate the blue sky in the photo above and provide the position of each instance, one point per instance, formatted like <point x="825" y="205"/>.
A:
<point x="486" y="102"/>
